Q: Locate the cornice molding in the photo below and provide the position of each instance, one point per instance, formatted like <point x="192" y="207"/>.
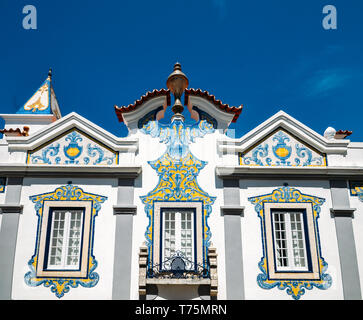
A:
<point x="243" y="172"/>
<point x="131" y="171"/>
<point x="295" y="127"/>
<point x="72" y="120"/>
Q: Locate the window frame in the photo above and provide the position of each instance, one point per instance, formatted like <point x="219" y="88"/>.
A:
<point x="198" y="228"/>
<point x="289" y="248"/>
<point x="193" y="228"/>
<point x="67" y="229"/>
<point x="49" y="206"/>
<point x="312" y="256"/>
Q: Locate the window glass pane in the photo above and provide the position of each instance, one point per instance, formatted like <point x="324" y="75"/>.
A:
<point x="56" y="245"/>
<point x="280" y="240"/>
<point x="65" y="240"/>
<point x="186" y="232"/>
<point x="177" y="233"/>
<point x="298" y="244"/>
<point x="169" y="234"/>
<point x="290" y="250"/>
<point x="74" y="239"/>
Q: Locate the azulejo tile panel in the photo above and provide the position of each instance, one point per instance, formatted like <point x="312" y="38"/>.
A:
<point x="2" y="185"/>
<point x="73" y="148"/>
<point x="177" y="170"/>
<point x="61" y="285"/>
<point x="39" y="103"/>
<point x="294" y="287"/>
<point x="282" y="149"/>
<point x="356" y="189"/>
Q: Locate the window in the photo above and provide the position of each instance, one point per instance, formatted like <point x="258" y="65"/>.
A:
<point x="65" y="240"/>
<point x="289" y="241"/>
<point x="178" y="234"/>
<point x="177" y="226"/>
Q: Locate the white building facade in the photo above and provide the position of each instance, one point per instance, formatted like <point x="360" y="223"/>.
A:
<point x="177" y="209"/>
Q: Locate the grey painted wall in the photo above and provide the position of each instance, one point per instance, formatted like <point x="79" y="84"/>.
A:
<point x="233" y="240"/>
<point x="343" y="215"/>
<point x="8" y="234"/>
<point x="124" y="211"/>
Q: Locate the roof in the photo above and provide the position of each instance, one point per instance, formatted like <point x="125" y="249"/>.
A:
<point x="16" y="132"/>
<point x="211" y="98"/>
<point x="43" y="101"/>
<point x="188" y="92"/>
<point x="341" y="134"/>
<point x="149" y="95"/>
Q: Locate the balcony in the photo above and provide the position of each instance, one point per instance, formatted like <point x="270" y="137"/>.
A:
<point x="176" y="271"/>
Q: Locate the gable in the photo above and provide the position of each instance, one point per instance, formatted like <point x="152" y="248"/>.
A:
<point x="281" y="148"/>
<point x="73" y="147"/>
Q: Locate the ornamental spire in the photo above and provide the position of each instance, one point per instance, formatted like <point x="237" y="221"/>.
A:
<point x="177" y="82"/>
<point x="50" y="74"/>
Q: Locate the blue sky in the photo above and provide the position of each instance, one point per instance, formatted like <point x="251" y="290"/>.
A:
<point x="267" y="55"/>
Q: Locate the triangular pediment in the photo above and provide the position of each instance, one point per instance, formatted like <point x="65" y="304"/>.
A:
<point x="72" y="140"/>
<point x="73" y="147"/>
<point x="299" y="137"/>
<point x="281" y="148"/>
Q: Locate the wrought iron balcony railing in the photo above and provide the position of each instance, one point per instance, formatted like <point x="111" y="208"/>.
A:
<point x="177" y="270"/>
<point x="177" y="266"/>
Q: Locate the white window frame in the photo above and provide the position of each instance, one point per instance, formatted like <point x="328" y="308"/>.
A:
<point x="42" y="268"/>
<point x="65" y="241"/>
<point x="178" y="231"/>
<point x="290" y="257"/>
<point x="157" y="227"/>
<point x="273" y="271"/>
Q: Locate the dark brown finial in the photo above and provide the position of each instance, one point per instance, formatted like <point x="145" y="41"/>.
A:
<point x="50" y="74"/>
<point x="177" y="82"/>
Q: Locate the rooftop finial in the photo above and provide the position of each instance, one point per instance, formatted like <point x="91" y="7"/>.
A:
<point x="50" y="74"/>
<point x="177" y="66"/>
<point x="177" y="82"/>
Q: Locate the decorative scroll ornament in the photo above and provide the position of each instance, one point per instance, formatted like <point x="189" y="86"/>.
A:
<point x="177" y="169"/>
<point x="295" y="288"/>
<point x="73" y="148"/>
<point x="60" y="286"/>
<point x="282" y="149"/>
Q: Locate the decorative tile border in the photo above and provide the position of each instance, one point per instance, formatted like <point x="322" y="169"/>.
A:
<point x="293" y="286"/>
<point x="177" y="169"/>
<point x="59" y="284"/>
